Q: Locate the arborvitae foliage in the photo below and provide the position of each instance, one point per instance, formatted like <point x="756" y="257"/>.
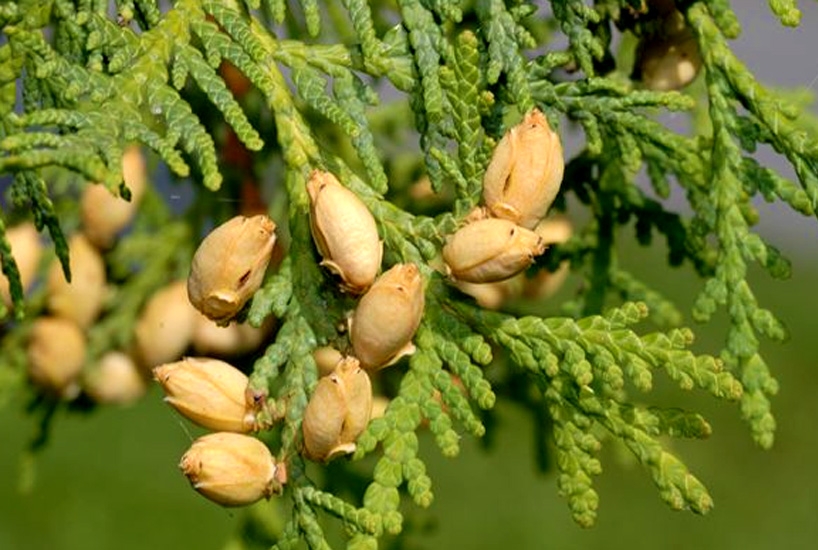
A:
<point x="381" y="93"/>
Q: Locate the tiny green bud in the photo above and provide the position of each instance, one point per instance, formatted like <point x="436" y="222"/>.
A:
<point x="229" y="265"/>
<point x="231" y="469"/>
<point x="209" y="392"/>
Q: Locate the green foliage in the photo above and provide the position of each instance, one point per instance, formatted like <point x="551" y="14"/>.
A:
<point x="343" y="84"/>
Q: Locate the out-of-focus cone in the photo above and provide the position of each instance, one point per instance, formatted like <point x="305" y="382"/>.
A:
<point x="115" y="380"/>
<point x="105" y="215"/>
<point x="56" y="354"/>
<point x="27" y="250"/>
<point x="165" y="326"/>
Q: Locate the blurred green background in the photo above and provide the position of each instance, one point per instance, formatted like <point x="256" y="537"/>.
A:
<point x="109" y="479"/>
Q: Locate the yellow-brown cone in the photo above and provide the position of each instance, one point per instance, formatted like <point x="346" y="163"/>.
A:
<point x="338" y="411"/>
<point x="344" y="232"/>
<point x="209" y="392"/>
<point x="387" y="317"/>
<point x="82" y="299"/>
<point x="105" y="215"/>
<point x="491" y="250"/>
<point x="229" y="266"/>
<point x="56" y="353"/>
<point x="231" y="469"/>
<point x="165" y="326"/>
<point x="525" y="172"/>
<point x="115" y="380"/>
<point x="27" y="250"/>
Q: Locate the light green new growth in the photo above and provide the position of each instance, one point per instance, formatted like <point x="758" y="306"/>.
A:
<point x="338" y="86"/>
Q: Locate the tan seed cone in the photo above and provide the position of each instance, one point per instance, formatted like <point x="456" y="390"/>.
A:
<point x="525" y="172"/>
<point x="669" y="60"/>
<point x="231" y="469"/>
<point x="82" y="299"/>
<point x="326" y="358"/>
<point x="209" y="338"/>
<point x="387" y="317"/>
<point x="554" y="230"/>
<point x="491" y="250"/>
<point x="338" y="412"/>
<point x="27" y="250"/>
<point x="493" y="295"/>
<point x="209" y="392"/>
<point x="56" y="353"/>
<point x="344" y="232"/>
<point x="116" y="380"/>
<point x="545" y="284"/>
<point x="165" y="326"/>
<point x="422" y="189"/>
<point x="229" y="266"/>
<point x="104" y="214"/>
<point x="379" y="406"/>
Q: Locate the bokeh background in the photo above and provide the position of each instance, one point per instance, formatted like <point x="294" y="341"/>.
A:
<point x="109" y="480"/>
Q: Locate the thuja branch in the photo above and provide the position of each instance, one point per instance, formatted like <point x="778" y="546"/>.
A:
<point x="581" y="368"/>
<point x="728" y="82"/>
<point x="484" y="108"/>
